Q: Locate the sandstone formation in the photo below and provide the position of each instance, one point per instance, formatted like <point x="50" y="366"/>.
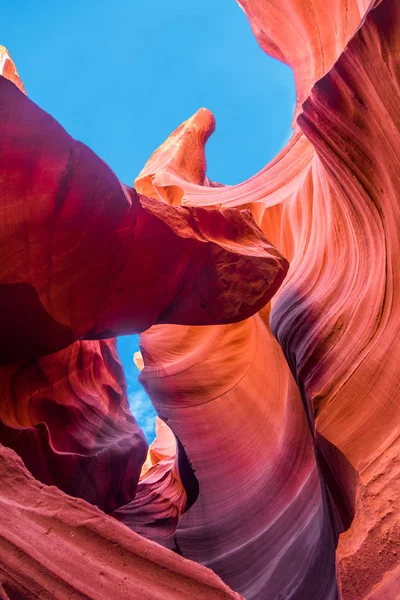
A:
<point x="60" y="185"/>
<point x="276" y="461"/>
<point x="55" y="546"/>
<point x="167" y="487"/>
<point x="66" y="412"/>
<point x="67" y="416"/>
<point x="328" y="203"/>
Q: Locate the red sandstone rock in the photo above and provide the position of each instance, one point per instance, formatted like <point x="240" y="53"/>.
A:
<point x="8" y="69"/>
<point x="56" y="547"/>
<point x="289" y="418"/>
<point x="260" y="505"/>
<point x="356" y="398"/>
<point x="66" y="413"/>
<point x="308" y="36"/>
<point x="166" y="489"/>
<point x="184" y="149"/>
<point x="328" y="202"/>
<point x="67" y="416"/>
<point x="89" y="280"/>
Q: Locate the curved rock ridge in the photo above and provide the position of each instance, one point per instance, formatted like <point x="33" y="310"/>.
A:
<point x="260" y="501"/>
<point x="66" y="412"/>
<point x="284" y="418"/>
<point x="356" y="400"/>
<point x="328" y="202"/>
<point x="167" y="487"/>
<point x="185" y="148"/>
<point x="56" y="547"/>
<point x="310" y="37"/>
<point x="228" y="395"/>
<point x="68" y="418"/>
<point x="203" y="263"/>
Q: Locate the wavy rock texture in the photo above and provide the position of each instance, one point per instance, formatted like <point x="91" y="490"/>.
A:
<point x="268" y="509"/>
<point x="49" y="182"/>
<point x="166" y="489"/>
<point x="356" y="403"/>
<point x="53" y="546"/>
<point x="329" y="203"/>
<point x="288" y="418"/>
<point x="308" y="36"/>
<point x="66" y="413"/>
<point x="67" y="416"/>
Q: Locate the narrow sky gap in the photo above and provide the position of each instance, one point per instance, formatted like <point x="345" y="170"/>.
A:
<point x="140" y="403"/>
<point x="130" y="74"/>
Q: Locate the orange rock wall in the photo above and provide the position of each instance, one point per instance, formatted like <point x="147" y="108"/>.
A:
<point x="328" y="203"/>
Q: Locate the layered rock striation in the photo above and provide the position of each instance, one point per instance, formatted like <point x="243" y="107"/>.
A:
<point x="276" y="461"/>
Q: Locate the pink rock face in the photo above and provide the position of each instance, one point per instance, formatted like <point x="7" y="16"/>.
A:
<point x="66" y="413"/>
<point x="88" y="279"/>
<point x="328" y="203"/>
<point x="67" y="416"/>
<point x="308" y="36"/>
<point x="167" y="488"/>
<point x="283" y="476"/>
<point x="54" y="546"/>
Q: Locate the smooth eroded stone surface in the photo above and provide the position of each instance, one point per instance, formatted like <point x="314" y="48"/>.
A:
<point x="167" y="487"/>
<point x="84" y="256"/>
<point x="53" y="546"/>
<point x="284" y="417"/>
<point x="87" y="257"/>
<point x="356" y="386"/>
<point x="230" y="399"/>
<point x="328" y="202"/>
<point x="308" y="36"/>
<point x="67" y="416"/>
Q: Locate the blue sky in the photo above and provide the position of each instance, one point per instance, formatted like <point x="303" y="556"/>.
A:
<point x="121" y="76"/>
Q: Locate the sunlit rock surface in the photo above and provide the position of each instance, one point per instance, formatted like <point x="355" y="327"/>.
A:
<point x="84" y="258"/>
<point x="61" y="203"/>
<point x="283" y="475"/>
<point x="311" y="427"/>
<point x="8" y="69"/>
